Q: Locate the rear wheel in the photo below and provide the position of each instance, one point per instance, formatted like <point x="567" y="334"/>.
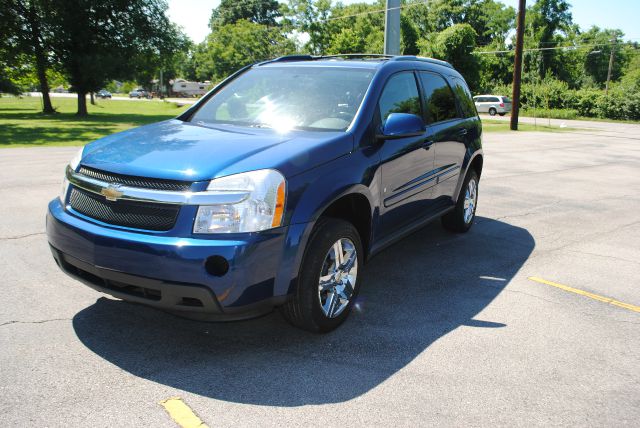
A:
<point x="328" y="282"/>
<point x="492" y="111"/>
<point x="461" y="217"/>
<point x="502" y="114"/>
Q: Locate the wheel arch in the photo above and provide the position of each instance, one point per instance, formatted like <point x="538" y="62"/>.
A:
<point x="476" y="162"/>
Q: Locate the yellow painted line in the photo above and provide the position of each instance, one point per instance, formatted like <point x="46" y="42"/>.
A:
<point x="181" y="413"/>
<point x="598" y="297"/>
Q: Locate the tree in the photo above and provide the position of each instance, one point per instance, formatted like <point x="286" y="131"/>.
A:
<point x="26" y="34"/>
<point x="97" y="41"/>
<point x="232" y="46"/>
<point x="257" y="11"/>
<point x="596" y="60"/>
<point x="455" y="45"/>
<point x="490" y="19"/>
<point x="311" y="18"/>
<point x="547" y="18"/>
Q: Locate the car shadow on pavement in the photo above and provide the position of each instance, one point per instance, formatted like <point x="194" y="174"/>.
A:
<point x="414" y="292"/>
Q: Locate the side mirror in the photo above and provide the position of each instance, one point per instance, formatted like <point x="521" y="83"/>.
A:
<point x="401" y="125"/>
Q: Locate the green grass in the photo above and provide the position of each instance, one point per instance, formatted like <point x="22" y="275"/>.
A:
<point x="489" y="125"/>
<point x="23" y="125"/>
<point x="551" y="113"/>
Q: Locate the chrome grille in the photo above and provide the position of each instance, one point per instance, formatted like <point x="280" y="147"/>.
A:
<point x="135" y="181"/>
<point x="139" y="215"/>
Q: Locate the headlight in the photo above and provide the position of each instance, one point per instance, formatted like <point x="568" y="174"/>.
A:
<point x="73" y="164"/>
<point x="262" y="208"/>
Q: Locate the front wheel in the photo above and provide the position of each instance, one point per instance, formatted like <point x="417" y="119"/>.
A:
<point x="328" y="282"/>
<point x="461" y="217"/>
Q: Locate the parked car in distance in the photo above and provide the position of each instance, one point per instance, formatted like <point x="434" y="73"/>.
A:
<point x="139" y="93"/>
<point x="256" y="198"/>
<point x="103" y="93"/>
<point x="492" y="104"/>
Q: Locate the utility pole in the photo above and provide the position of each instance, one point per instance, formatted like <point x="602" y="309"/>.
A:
<point x="517" y="66"/>
<point x="611" y="58"/>
<point x="392" y="28"/>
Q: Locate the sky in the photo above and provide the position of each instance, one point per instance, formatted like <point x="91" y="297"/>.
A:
<point x="193" y="15"/>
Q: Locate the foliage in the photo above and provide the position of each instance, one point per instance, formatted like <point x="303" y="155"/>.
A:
<point x="545" y="18"/>
<point x="565" y="67"/>
<point x="552" y="94"/>
<point x="89" y="53"/>
<point x="231" y="11"/>
<point x="26" y="38"/>
<point x="232" y="46"/>
<point x="455" y="45"/>
<point x="596" y="62"/>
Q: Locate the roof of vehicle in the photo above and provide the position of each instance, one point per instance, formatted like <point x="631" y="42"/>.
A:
<point x="490" y="95"/>
<point x="349" y="60"/>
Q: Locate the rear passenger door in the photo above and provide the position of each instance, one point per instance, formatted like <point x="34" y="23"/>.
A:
<point x="446" y="125"/>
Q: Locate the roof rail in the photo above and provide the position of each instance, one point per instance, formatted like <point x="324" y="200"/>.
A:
<point x="287" y="58"/>
<point x="354" y="56"/>
<point x="421" y="58"/>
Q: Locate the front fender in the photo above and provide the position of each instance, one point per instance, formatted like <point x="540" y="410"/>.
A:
<point x="312" y="192"/>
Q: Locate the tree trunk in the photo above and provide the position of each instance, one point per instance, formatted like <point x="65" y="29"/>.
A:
<point x="82" y="104"/>
<point x="41" y="62"/>
<point x="93" y="101"/>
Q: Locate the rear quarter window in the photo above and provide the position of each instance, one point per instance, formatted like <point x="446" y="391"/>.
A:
<point x="463" y="94"/>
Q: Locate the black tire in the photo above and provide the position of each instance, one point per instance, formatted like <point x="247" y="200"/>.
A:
<point x="502" y="114"/>
<point x="492" y="111"/>
<point x="304" y="309"/>
<point x="454" y="220"/>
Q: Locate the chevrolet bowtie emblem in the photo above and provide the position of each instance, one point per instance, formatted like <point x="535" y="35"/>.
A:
<point x="111" y="193"/>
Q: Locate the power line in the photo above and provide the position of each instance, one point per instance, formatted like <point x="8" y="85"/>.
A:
<point x="569" y="47"/>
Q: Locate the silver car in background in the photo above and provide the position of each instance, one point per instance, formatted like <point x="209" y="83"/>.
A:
<point x="492" y="104"/>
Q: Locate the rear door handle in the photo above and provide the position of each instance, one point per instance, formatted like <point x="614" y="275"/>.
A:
<point x="463" y="132"/>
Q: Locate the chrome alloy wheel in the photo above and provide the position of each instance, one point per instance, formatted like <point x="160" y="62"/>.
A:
<point x="338" y="277"/>
<point x="470" y="200"/>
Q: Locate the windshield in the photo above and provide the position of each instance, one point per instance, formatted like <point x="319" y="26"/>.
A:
<point x="284" y="98"/>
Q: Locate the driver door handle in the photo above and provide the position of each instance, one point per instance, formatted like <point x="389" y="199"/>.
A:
<point x="426" y="144"/>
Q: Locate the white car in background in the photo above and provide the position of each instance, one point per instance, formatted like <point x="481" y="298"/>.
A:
<point x="492" y="104"/>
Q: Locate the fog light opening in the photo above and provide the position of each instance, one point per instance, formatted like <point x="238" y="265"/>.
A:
<point x="216" y="266"/>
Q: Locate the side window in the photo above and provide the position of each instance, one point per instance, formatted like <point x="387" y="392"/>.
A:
<point x="439" y="100"/>
<point x="464" y="98"/>
<point x="495" y="100"/>
<point x="400" y="95"/>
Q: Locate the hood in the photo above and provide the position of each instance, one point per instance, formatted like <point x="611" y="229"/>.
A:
<point x="180" y="150"/>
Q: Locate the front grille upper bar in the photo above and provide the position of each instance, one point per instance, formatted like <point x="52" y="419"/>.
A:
<point x="156" y="196"/>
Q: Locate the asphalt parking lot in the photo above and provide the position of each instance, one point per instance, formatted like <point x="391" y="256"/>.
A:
<point x="450" y="329"/>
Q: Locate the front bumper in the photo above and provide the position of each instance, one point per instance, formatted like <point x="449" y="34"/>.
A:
<point x="169" y="272"/>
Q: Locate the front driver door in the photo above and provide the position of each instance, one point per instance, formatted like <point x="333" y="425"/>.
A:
<point x="406" y="164"/>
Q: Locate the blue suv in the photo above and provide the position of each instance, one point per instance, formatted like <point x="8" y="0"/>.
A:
<point x="274" y="189"/>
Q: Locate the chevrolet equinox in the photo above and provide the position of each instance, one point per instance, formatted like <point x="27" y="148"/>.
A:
<point x="274" y="189"/>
